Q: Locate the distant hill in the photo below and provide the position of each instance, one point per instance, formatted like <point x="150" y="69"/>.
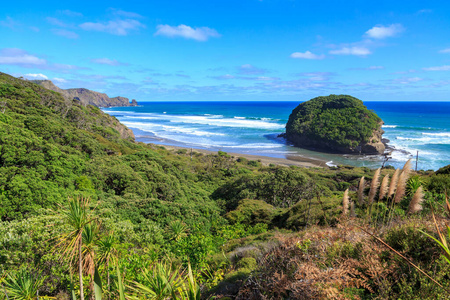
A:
<point x="87" y="97"/>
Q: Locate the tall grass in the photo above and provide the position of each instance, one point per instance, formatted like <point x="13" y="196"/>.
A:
<point x="393" y="185"/>
<point x="415" y="204"/>
<point x="345" y="203"/>
<point x="374" y="186"/>
<point x="361" y="191"/>
<point x="384" y="187"/>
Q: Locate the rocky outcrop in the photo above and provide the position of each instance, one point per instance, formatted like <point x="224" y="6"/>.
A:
<point x="335" y="124"/>
<point x="87" y="97"/>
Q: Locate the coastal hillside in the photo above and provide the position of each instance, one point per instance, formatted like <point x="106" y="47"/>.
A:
<point x="87" y="212"/>
<point x="87" y="97"/>
<point x="336" y="124"/>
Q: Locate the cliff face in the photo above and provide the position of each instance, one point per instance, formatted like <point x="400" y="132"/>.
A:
<point x="87" y="97"/>
<point x="335" y="124"/>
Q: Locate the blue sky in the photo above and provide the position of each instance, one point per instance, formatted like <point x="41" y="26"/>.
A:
<point x="233" y="50"/>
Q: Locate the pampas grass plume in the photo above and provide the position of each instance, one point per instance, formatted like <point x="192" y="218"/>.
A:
<point x="345" y="203"/>
<point x="384" y="187"/>
<point x="374" y="185"/>
<point x="407" y="168"/>
<point x="361" y="191"/>
<point x="415" y="204"/>
<point x="394" y="181"/>
<point x="352" y="209"/>
<point x="401" y="187"/>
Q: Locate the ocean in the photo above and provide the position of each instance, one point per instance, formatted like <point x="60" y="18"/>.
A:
<point x="253" y="128"/>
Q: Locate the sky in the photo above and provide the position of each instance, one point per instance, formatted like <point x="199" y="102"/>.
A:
<point x="245" y="50"/>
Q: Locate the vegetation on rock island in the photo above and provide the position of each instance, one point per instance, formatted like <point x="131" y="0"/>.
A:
<point x="88" y="214"/>
<point x="335" y="123"/>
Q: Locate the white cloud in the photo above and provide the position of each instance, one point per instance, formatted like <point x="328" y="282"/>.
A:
<point x="106" y="61"/>
<point x="375" y="68"/>
<point x="317" y="76"/>
<point x="59" y="80"/>
<point x="56" y="22"/>
<point x="371" y="68"/>
<point x="355" y="50"/>
<point x="116" y="27"/>
<point x="64" y="67"/>
<point x="71" y="13"/>
<point x="9" y="22"/>
<point x="381" y="32"/>
<point x="407" y="80"/>
<point x="222" y="77"/>
<point x="65" y="33"/>
<point x="199" y="34"/>
<point x="265" y="78"/>
<point x="424" y="11"/>
<point x="36" y="76"/>
<point x="439" y="68"/>
<point x="126" y="14"/>
<point x="249" y="69"/>
<point x="14" y="56"/>
<point x="307" y="55"/>
<point x="445" y="50"/>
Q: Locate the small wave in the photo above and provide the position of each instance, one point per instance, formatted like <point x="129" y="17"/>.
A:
<point x="438" y="140"/>
<point x="157" y="128"/>
<point x="330" y="164"/>
<point x="439" y="134"/>
<point x="256" y="146"/>
<point x="389" y="126"/>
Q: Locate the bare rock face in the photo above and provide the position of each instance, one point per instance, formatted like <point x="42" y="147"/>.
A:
<point x="374" y="146"/>
<point x="87" y="97"/>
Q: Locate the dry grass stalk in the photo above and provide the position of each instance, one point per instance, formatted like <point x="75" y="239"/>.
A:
<point x="407" y="168"/>
<point x="399" y="254"/>
<point x="415" y="204"/>
<point x="345" y="203"/>
<point x="352" y="209"/>
<point x="394" y="181"/>
<point x="401" y="187"/>
<point x="361" y="191"/>
<point x="374" y="185"/>
<point x="384" y="187"/>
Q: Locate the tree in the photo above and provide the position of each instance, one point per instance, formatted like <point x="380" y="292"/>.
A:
<point x="76" y="215"/>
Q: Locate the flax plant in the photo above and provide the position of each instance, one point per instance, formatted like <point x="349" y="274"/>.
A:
<point x="107" y="254"/>
<point x="76" y="215"/>
<point x="159" y="282"/>
<point x="23" y="286"/>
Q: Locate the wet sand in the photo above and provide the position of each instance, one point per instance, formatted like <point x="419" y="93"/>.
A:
<point x="299" y="161"/>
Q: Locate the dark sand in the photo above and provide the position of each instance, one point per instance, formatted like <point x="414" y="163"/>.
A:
<point x="299" y="161"/>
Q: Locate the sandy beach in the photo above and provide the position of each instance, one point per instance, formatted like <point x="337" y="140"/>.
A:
<point x="299" y="161"/>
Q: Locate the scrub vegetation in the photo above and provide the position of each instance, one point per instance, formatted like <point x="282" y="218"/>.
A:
<point x="86" y="214"/>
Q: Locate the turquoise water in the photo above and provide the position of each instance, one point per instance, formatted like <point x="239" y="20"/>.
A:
<point x="253" y="128"/>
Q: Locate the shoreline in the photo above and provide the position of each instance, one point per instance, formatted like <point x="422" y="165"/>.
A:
<point x="289" y="160"/>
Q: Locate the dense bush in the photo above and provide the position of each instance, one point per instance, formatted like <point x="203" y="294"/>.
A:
<point x="337" y="120"/>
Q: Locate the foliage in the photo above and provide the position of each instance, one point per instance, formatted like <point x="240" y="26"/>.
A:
<point x="23" y="286"/>
<point x="220" y="221"/>
<point x="336" y="120"/>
